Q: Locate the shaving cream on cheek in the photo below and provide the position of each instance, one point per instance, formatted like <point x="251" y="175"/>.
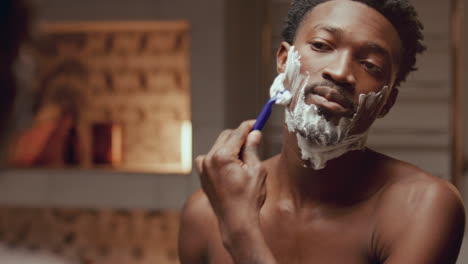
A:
<point x="287" y="83"/>
<point x="318" y="139"/>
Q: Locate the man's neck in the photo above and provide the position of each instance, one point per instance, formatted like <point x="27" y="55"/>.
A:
<point x="344" y="181"/>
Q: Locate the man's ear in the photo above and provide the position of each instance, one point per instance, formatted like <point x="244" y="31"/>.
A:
<point x="282" y="56"/>
<point x="390" y="102"/>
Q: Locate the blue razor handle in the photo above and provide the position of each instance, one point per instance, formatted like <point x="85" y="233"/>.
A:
<point x="264" y="115"/>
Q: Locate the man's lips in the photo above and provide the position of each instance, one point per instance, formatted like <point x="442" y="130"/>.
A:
<point x="330" y="99"/>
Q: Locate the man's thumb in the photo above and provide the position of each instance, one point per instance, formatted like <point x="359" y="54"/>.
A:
<point x="251" y="147"/>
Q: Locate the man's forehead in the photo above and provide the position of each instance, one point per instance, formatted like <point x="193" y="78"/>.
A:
<point x="352" y="17"/>
<point x="346" y="13"/>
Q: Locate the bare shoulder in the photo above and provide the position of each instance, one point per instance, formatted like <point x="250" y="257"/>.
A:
<point x="196" y="227"/>
<point x="197" y="214"/>
<point x="415" y="208"/>
<point x="413" y="189"/>
<point x="197" y="206"/>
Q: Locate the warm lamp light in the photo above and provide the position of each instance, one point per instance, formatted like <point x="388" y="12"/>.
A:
<point x="186" y="146"/>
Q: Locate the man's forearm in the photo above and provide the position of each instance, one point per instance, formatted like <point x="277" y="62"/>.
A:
<point x="248" y="246"/>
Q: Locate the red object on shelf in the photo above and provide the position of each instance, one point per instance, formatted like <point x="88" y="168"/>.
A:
<point x="107" y="144"/>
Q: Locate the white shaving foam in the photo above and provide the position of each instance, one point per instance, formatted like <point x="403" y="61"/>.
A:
<point x="318" y="139"/>
<point x="288" y="82"/>
<point x="321" y="140"/>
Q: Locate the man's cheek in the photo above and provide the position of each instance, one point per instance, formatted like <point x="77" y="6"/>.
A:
<point x="363" y="122"/>
<point x="294" y="101"/>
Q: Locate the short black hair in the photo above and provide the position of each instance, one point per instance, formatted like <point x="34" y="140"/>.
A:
<point x="400" y="13"/>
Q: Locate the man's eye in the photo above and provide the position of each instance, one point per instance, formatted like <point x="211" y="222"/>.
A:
<point x="372" y="67"/>
<point x="319" y="46"/>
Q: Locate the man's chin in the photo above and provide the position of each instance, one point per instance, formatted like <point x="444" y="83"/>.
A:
<point x="318" y="139"/>
<point x="331" y="116"/>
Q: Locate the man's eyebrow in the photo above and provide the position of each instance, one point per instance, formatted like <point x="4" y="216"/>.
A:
<point x="376" y="48"/>
<point x="328" y="28"/>
<point x="369" y="46"/>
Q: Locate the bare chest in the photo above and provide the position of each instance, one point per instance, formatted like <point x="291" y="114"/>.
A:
<point x="331" y="240"/>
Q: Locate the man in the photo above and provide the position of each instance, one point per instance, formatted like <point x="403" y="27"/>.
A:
<point x="324" y="198"/>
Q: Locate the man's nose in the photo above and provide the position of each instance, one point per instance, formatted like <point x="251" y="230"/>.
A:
<point x="341" y="70"/>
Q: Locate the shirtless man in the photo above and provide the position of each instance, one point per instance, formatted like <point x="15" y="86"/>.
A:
<point x="362" y="206"/>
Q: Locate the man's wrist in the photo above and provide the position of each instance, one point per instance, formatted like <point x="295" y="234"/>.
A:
<point x="241" y="234"/>
<point x="238" y="222"/>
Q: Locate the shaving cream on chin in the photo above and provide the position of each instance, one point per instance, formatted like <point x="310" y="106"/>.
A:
<point x="320" y="140"/>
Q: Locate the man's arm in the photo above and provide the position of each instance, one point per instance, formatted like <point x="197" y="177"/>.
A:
<point x="435" y="232"/>
<point x="193" y="238"/>
<point x="197" y="224"/>
<point x="235" y="188"/>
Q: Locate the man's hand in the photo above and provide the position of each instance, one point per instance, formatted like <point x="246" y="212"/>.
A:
<point x="233" y="178"/>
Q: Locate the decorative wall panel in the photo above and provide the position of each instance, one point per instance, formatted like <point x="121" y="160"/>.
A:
<point x="124" y="87"/>
<point x="103" y="236"/>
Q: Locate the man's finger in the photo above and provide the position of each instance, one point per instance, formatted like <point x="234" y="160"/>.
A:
<point x="239" y="136"/>
<point x="250" y="155"/>
<point x="222" y="138"/>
